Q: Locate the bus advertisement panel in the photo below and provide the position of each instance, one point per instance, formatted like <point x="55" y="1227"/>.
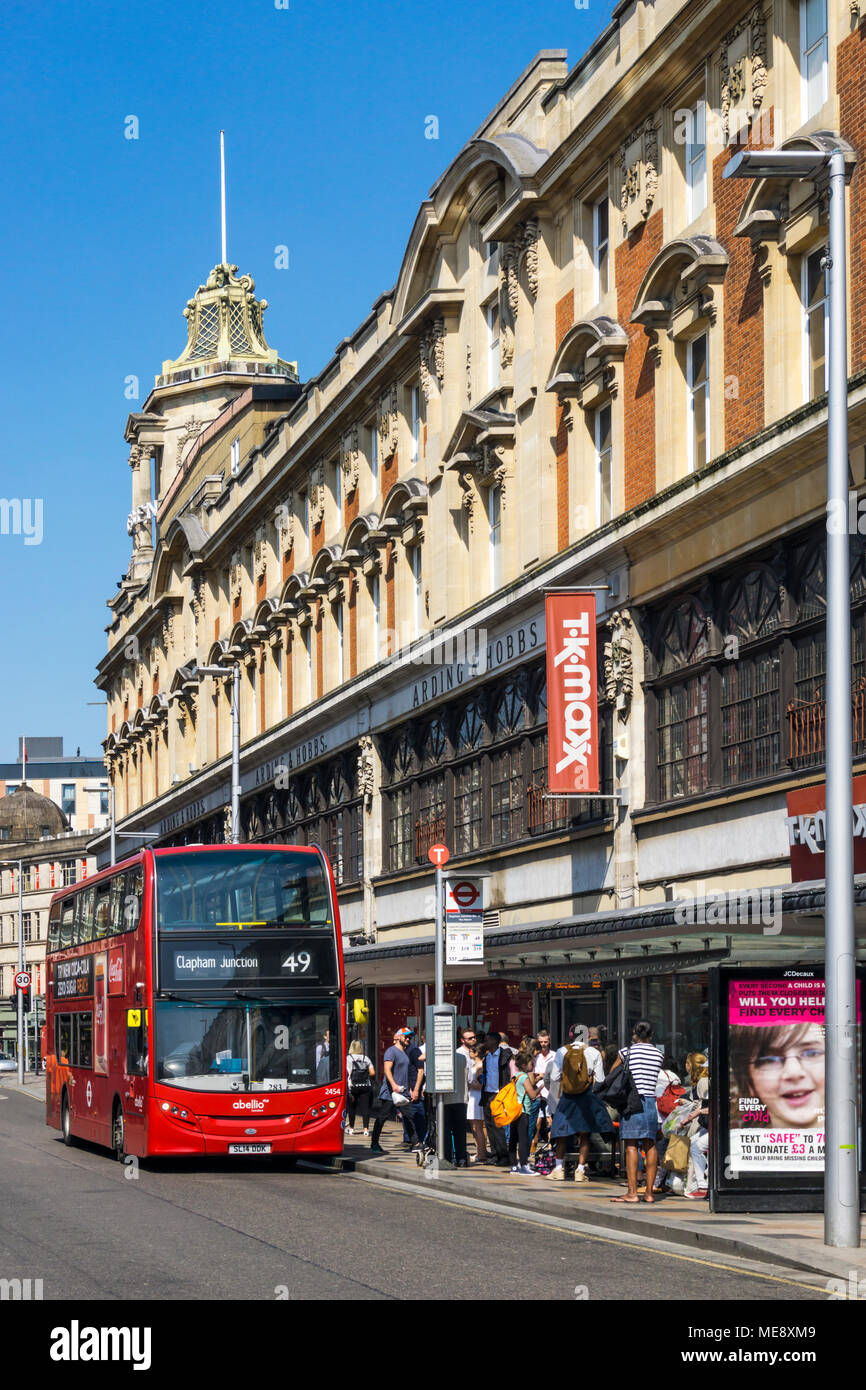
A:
<point x="215" y="1020"/>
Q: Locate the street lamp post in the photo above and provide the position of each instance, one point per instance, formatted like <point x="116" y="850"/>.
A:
<point x="841" y="1166"/>
<point x="221" y="672"/>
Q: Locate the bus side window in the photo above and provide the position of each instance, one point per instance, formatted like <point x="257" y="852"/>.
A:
<point x="133" y="895"/>
<point x="83" y="1040"/>
<point x="102" y="923"/>
<point x="116" y="924"/>
<point x="84" y="916"/>
<point x="54" y="926"/>
<point x="67" y="921"/>
<point x="63" y="1039"/>
<point x="136" y="1042"/>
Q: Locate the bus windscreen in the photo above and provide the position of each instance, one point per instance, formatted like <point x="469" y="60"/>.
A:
<point x="241" y="889"/>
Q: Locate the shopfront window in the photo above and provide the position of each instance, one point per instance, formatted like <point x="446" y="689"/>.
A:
<point x="321" y="806"/>
<point x="397" y="1006"/>
<point x="475" y="774"/>
<point x="720" y="661"/>
<point x="504" y="1007"/>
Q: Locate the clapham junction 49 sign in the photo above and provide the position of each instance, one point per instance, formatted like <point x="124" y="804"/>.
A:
<point x="572" y="693"/>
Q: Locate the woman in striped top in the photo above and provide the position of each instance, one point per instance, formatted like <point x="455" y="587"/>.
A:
<point x="644" y="1061"/>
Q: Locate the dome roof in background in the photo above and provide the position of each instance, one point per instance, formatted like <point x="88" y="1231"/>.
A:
<point x="25" y="815"/>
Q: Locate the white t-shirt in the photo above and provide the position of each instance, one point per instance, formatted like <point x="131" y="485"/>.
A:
<point x="540" y="1065"/>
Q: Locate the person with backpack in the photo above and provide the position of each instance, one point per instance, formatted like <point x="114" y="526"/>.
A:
<point x="359" y="1087"/>
<point x="518" y="1131"/>
<point x="644" y="1061"/>
<point x="495" y="1073"/>
<point x="578" y="1112"/>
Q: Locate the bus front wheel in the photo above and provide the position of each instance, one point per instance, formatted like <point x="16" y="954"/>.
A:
<point x="118" y="1132"/>
<point x="66" y="1121"/>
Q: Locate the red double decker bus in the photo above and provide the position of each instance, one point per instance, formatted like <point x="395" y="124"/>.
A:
<point x="195" y="1000"/>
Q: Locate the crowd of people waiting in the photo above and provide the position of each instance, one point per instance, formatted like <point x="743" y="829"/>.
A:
<point x="572" y="1102"/>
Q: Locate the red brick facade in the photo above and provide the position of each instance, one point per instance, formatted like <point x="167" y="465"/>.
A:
<point x="388" y="474"/>
<point x="851" y="77"/>
<point x="744" y="307"/>
<point x="633" y="258"/>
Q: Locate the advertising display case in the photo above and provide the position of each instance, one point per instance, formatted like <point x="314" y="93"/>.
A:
<point x="767" y="1088"/>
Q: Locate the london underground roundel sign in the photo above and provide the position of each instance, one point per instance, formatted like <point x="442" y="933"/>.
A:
<point x="466" y="893"/>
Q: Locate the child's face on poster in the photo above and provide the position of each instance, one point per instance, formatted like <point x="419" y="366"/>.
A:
<point x="790" y="1081"/>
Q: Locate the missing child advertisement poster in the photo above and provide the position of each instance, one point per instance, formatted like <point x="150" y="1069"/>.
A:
<point x="776" y="1059"/>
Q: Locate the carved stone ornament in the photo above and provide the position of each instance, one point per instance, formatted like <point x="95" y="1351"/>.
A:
<point x="191" y="430"/>
<point x="235" y="576"/>
<point x="468" y="501"/>
<point x="509" y="262"/>
<point x="854" y="6"/>
<point x="744" y="66"/>
<point x="349" y="459"/>
<point x="365" y="770"/>
<point x="317" y="494"/>
<point x="618" y="665"/>
<point x="531" y="238"/>
<point x="432" y="356"/>
<point x="639" y="175"/>
<point x="260" y="554"/>
<point x="506" y="341"/>
<point x="388" y="422"/>
<point x="468" y="372"/>
<point x="284" y="519"/>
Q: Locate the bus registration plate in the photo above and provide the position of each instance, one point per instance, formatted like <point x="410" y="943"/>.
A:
<point x="249" y="1148"/>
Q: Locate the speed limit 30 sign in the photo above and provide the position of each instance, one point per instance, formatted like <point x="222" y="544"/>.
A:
<point x="22" y="979"/>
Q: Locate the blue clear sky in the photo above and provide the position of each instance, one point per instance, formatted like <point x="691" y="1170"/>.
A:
<point x="104" y="239"/>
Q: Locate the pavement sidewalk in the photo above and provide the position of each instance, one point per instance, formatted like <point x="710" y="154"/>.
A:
<point x="34" y="1086"/>
<point x="794" y="1240"/>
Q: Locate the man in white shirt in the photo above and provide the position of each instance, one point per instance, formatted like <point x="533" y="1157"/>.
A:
<point x="542" y="1058"/>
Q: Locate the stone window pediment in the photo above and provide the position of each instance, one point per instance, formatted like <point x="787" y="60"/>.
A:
<point x="792" y="211"/>
<point x="677" y="295"/>
<point x="585" y="366"/>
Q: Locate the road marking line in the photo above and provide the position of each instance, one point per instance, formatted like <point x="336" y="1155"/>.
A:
<point x="542" y="1219"/>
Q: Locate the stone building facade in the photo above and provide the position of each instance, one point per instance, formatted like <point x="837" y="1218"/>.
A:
<point x="37" y="841"/>
<point x="600" y="365"/>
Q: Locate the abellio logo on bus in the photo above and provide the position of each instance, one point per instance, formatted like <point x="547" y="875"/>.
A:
<point x="248" y="1105"/>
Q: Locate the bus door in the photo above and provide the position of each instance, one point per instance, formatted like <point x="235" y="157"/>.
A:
<point x="135" y="1077"/>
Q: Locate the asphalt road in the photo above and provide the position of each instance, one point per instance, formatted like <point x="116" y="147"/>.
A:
<point x="242" y="1230"/>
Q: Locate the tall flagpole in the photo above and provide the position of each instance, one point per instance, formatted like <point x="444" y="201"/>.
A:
<point x="223" y="191"/>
